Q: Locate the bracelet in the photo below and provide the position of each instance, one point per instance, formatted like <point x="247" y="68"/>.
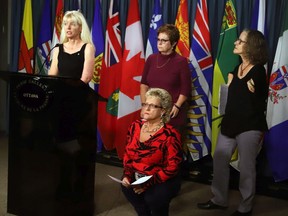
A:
<point x="177" y="107"/>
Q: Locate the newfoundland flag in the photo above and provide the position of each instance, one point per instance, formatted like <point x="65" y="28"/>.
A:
<point x="276" y="140"/>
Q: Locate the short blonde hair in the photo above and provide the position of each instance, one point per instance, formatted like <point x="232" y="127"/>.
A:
<point x="165" y="101"/>
<point x="77" y="17"/>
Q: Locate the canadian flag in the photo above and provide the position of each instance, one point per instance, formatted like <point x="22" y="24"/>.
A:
<point x="133" y="63"/>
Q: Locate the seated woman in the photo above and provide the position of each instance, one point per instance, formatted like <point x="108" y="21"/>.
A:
<point x="153" y="148"/>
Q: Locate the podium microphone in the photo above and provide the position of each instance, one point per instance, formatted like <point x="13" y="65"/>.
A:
<point x="47" y="57"/>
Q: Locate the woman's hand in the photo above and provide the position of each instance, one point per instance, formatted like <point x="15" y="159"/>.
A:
<point x="251" y="85"/>
<point x="138" y="189"/>
<point x="174" y="112"/>
<point x="125" y="182"/>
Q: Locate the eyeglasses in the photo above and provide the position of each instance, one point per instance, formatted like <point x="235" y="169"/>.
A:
<point x="162" y="40"/>
<point x="240" y="41"/>
<point x="150" y="106"/>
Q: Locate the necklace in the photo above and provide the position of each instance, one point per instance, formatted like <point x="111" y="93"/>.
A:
<point x="160" y="66"/>
<point x="146" y="128"/>
<point x="243" y="69"/>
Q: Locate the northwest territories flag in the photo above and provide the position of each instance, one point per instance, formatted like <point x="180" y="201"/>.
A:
<point x="199" y="142"/>
<point x="156" y="22"/>
<point x="276" y="140"/>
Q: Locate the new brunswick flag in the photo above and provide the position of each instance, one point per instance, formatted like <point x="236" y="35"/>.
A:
<point x="26" y="52"/>
<point x="225" y="63"/>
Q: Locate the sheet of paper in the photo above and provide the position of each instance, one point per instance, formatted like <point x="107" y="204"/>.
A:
<point x="137" y="182"/>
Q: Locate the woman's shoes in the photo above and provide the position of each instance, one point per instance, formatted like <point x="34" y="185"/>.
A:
<point x="210" y="205"/>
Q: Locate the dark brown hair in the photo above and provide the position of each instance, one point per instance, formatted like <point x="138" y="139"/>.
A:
<point x="171" y="31"/>
<point x="256" y="47"/>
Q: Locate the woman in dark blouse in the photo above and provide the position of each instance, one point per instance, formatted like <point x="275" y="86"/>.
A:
<point x="243" y="124"/>
<point x="153" y="149"/>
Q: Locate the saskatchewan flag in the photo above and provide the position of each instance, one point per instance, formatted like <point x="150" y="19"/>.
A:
<point x="225" y="63"/>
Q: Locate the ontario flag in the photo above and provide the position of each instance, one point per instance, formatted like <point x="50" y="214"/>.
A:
<point x="276" y="140"/>
<point x="26" y="52"/>
<point x="44" y="41"/>
<point x="199" y="133"/>
<point x="58" y="22"/>
<point x="110" y="77"/>
<point x="155" y="23"/>
<point x="225" y="62"/>
<point x="182" y="23"/>
<point x="133" y="64"/>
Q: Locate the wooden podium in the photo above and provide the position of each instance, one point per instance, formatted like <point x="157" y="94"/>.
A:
<point x="52" y="145"/>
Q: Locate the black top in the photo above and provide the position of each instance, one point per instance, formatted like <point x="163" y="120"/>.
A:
<point x="246" y="110"/>
<point x="71" y="65"/>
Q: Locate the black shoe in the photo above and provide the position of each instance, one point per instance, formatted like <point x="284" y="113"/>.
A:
<point x="210" y="205"/>
<point x="237" y="213"/>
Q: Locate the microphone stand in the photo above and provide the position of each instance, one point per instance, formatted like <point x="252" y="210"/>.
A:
<point x="47" y="57"/>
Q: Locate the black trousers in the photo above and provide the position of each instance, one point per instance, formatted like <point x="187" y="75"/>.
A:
<point x="156" y="200"/>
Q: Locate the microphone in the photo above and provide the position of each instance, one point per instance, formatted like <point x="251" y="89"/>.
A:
<point x="47" y="57"/>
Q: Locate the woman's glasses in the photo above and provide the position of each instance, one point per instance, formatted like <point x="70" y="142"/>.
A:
<point x="240" y="41"/>
<point x="162" y="40"/>
<point x="150" y="106"/>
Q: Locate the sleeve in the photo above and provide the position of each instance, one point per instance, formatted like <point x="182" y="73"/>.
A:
<point x="172" y="160"/>
<point x="127" y="161"/>
<point x="260" y="82"/>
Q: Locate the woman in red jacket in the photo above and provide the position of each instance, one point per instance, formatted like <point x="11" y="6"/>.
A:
<point x="153" y="149"/>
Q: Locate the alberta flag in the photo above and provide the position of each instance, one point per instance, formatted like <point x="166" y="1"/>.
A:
<point x="133" y="64"/>
<point x="44" y="41"/>
<point x="156" y="22"/>
<point x="276" y="140"/>
<point x="199" y="141"/>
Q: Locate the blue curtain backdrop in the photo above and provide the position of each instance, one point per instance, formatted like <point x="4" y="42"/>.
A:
<point x="215" y="8"/>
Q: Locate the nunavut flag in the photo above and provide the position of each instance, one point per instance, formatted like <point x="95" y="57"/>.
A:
<point x="110" y="77"/>
<point x="133" y="64"/>
<point x="276" y="139"/>
<point x="199" y="133"/>
<point x="26" y="52"/>
<point x="225" y="63"/>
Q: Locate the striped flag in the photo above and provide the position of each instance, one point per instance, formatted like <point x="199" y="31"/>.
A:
<point x="133" y="64"/>
<point x="26" y="52"/>
<point x="110" y="77"/>
<point x="276" y="140"/>
<point x="200" y="115"/>
<point x="58" y="22"/>
<point x="44" y="41"/>
<point x="156" y="22"/>
<point x="182" y="23"/>
<point x="258" y="20"/>
<point x="225" y="63"/>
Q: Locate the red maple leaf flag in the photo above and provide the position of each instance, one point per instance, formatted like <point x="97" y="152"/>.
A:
<point x="133" y="63"/>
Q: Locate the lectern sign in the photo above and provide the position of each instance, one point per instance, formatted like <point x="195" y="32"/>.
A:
<point x="32" y="95"/>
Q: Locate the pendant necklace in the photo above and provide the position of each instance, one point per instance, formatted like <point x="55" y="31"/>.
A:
<point x="243" y="69"/>
<point x="160" y="66"/>
<point x="146" y="128"/>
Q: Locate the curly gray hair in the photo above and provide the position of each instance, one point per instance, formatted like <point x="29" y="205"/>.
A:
<point x="165" y="101"/>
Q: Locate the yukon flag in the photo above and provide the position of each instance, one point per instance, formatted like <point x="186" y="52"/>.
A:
<point x="58" y="22"/>
<point x="26" y="52"/>
<point x="133" y="64"/>
<point x="225" y="63"/>
<point x="110" y="77"/>
<point x="182" y="23"/>
<point x="44" y="41"/>
<point x="199" y="141"/>
<point x="156" y="22"/>
<point x="276" y="140"/>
